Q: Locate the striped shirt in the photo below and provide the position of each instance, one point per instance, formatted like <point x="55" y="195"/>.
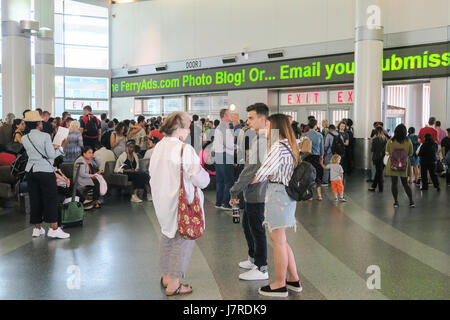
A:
<point x="278" y="163"/>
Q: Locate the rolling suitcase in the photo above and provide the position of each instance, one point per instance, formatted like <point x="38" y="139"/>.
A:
<point x="73" y="211"/>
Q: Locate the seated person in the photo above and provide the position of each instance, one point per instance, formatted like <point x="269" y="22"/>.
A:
<point x="103" y="155"/>
<point x="152" y="143"/>
<point x="128" y="163"/>
<point x="87" y="177"/>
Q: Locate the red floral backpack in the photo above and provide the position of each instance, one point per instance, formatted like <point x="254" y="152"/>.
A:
<point x="190" y="217"/>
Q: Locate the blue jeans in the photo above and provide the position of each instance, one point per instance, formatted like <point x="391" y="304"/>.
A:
<point x="326" y="172"/>
<point x="224" y="179"/>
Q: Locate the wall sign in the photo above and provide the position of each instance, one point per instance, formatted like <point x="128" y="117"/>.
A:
<point x="341" y="96"/>
<point x="303" y="98"/>
<point x="422" y="61"/>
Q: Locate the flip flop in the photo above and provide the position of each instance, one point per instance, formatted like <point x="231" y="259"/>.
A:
<point x="162" y="283"/>
<point x="178" y="291"/>
<point x="88" y="208"/>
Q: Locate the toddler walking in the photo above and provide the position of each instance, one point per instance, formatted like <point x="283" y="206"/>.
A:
<point x="336" y="177"/>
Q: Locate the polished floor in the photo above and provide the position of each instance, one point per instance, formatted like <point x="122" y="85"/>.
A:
<point x="115" y="254"/>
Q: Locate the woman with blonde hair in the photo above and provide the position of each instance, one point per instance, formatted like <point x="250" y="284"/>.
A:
<point x="278" y="168"/>
<point x="165" y="173"/>
<point x="74" y="143"/>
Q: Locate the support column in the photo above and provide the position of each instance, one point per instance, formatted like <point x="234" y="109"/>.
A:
<point x="16" y="58"/>
<point x="414" y="107"/>
<point x="45" y="57"/>
<point x="368" y="78"/>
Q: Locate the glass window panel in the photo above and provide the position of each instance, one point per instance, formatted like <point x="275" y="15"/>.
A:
<point x="84" y="9"/>
<point x="59" y="86"/>
<point x="59" y="106"/>
<point x="138" y="106"/>
<point x="80" y="87"/>
<point x="96" y="105"/>
<point x="59" y="55"/>
<point x="219" y="102"/>
<point x="58" y="34"/>
<point x="58" y="6"/>
<point x="173" y="104"/>
<point x="199" y="104"/>
<point x="85" y="57"/>
<point x="152" y="106"/>
<point x="86" y="31"/>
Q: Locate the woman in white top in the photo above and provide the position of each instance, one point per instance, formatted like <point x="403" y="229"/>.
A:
<point x="175" y="251"/>
<point x="278" y="168"/>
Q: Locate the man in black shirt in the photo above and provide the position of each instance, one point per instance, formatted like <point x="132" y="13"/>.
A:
<point x="445" y="144"/>
<point x="46" y="124"/>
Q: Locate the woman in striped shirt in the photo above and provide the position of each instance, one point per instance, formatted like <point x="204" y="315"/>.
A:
<point x="278" y="167"/>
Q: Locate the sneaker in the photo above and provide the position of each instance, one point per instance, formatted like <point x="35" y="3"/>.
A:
<point x="412" y="205"/>
<point x="218" y="206"/>
<point x="324" y="184"/>
<point x="342" y="199"/>
<point x="247" y="264"/>
<point x="280" y="292"/>
<point x="294" y="286"/>
<point x="149" y="197"/>
<point x="58" y="233"/>
<point x="254" y="274"/>
<point x="226" y="207"/>
<point x="135" y="198"/>
<point x="38" y="232"/>
<point x="336" y="199"/>
<point x="396" y="205"/>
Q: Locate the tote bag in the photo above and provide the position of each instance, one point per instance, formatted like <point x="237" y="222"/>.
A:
<point x="103" y="184"/>
<point x="190" y="216"/>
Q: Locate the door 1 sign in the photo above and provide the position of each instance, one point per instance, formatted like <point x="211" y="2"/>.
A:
<point x="341" y="96"/>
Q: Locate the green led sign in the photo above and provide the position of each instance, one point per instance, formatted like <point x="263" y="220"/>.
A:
<point x="400" y="63"/>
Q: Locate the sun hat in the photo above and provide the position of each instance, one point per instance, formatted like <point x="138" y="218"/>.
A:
<point x="32" y="116"/>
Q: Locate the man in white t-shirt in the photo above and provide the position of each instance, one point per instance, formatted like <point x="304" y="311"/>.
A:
<point x="102" y="155"/>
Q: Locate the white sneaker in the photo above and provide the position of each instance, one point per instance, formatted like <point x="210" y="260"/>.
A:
<point x="149" y="197"/>
<point x="38" y="232"/>
<point x="247" y="264"/>
<point x="254" y="274"/>
<point x="58" y="233"/>
<point x="135" y="198"/>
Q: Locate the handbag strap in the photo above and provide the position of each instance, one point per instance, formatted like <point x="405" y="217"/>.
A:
<point x="46" y="158"/>
<point x="181" y="174"/>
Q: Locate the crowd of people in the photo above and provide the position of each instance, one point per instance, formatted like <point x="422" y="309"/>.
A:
<point x="248" y="163"/>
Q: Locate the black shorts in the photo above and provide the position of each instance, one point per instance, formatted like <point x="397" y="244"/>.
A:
<point x="315" y="161"/>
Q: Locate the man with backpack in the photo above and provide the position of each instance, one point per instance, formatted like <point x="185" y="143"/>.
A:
<point x="334" y="144"/>
<point x="106" y="136"/>
<point x="90" y="128"/>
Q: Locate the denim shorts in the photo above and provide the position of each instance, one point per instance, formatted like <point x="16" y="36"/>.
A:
<point x="279" y="209"/>
<point x="414" y="161"/>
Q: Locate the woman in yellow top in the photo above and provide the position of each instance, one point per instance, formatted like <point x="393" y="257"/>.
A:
<point x="399" y="149"/>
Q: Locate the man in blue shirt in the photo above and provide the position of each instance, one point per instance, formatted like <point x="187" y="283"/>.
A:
<point x="317" y="152"/>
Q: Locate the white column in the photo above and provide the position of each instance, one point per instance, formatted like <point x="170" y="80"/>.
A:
<point x="414" y="106"/>
<point x="16" y="58"/>
<point x="45" y="57"/>
<point x="439" y="100"/>
<point x="368" y="75"/>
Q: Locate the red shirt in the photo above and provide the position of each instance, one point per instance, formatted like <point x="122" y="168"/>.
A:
<point x="156" y="133"/>
<point x="6" y="159"/>
<point x="426" y="130"/>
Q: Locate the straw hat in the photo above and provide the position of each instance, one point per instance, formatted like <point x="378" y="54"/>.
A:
<point x="32" y="116"/>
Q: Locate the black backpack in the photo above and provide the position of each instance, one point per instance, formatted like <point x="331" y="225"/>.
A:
<point x="303" y="181"/>
<point x="19" y="165"/>
<point x="106" y="139"/>
<point x="337" y="147"/>
<point x="92" y="126"/>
